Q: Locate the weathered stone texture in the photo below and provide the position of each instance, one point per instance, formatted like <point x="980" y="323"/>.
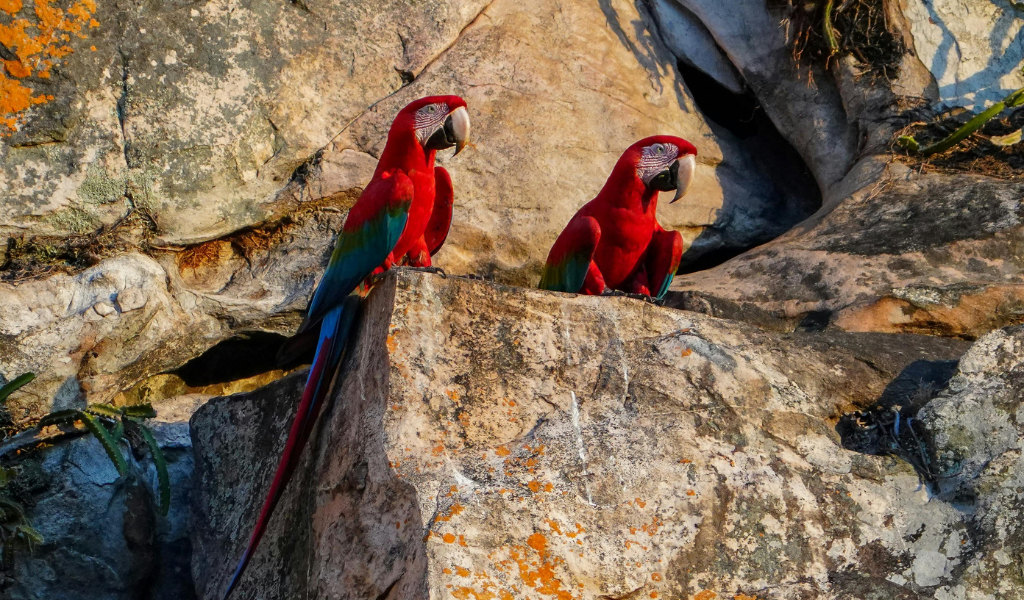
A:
<point x="491" y="441"/>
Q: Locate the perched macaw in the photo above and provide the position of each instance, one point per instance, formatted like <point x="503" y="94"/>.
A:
<point x="615" y="243"/>
<point x="402" y="217"/>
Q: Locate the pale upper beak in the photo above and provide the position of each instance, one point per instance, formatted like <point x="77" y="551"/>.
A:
<point x="684" y="175"/>
<point x="459" y="120"/>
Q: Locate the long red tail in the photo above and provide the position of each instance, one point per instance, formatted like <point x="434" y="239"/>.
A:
<point x="334" y="331"/>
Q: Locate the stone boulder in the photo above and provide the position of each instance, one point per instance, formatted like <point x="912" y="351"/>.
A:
<point x="908" y="252"/>
<point x="974" y="50"/>
<point x="491" y="442"/>
<point x="898" y="245"/>
<point x="103" y="538"/>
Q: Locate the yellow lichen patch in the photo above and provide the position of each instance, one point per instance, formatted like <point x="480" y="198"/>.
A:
<point x="38" y="44"/>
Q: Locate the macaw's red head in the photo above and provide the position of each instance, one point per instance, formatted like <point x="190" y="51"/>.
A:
<point x="660" y="162"/>
<point x="435" y="122"/>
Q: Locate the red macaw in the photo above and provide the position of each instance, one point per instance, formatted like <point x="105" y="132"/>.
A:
<point x="615" y="243"/>
<point x="402" y="216"/>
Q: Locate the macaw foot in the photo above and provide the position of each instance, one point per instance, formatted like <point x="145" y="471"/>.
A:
<point x="474" y="276"/>
<point x="434" y="270"/>
<point x="644" y="297"/>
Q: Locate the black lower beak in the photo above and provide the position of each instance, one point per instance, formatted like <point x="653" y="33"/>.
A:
<point x="667" y="180"/>
<point x="443" y="138"/>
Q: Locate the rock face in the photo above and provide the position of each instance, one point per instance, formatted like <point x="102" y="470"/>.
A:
<point x="201" y="117"/>
<point x="913" y="253"/>
<point x="973" y="49"/>
<point x="978" y="440"/>
<point x="489" y="442"/>
<point x="103" y="539"/>
<point x="894" y="248"/>
<point x="127" y="162"/>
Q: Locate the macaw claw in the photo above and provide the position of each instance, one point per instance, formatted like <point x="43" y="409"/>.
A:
<point x="434" y="270"/>
<point x="644" y="297"/>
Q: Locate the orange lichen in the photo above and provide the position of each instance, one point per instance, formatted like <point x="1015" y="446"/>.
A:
<point x="655" y="576"/>
<point x="691" y="493"/>
<point x="449" y="538"/>
<point x="654" y="594"/>
<point x="392" y="343"/>
<point x="462" y="540"/>
<point x="640" y="503"/>
<point x="38" y="44"/>
<point x="446" y="571"/>
<point x="538" y="542"/>
<point x="502" y="451"/>
<point x="463" y="593"/>
<point x="687" y="351"/>
<point x="743" y="597"/>
<point x="437" y="450"/>
<point x="462" y="572"/>
<point x="534" y="486"/>
<point x="705" y="595"/>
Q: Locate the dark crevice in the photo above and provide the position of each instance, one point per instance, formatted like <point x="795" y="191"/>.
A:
<point x="891" y="427"/>
<point x="795" y="193"/>
<point x="122" y="107"/>
<point x="243" y="356"/>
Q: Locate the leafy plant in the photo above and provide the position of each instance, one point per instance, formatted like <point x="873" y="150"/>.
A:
<point x="1013" y="100"/>
<point x="111" y="424"/>
<point x="15" y="530"/>
<point x="14" y="385"/>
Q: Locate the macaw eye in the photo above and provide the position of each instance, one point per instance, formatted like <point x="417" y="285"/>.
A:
<point x="659" y="149"/>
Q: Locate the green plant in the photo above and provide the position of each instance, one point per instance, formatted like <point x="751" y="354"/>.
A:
<point x="15" y="384"/>
<point x="110" y="425"/>
<point x="15" y="530"/>
<point x="1013" y="100"/>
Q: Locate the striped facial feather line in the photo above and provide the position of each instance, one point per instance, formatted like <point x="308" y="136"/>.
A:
<point x="429" y="118"/>
<point x="654" y="159"/>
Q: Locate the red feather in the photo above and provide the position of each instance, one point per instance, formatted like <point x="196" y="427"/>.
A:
<point x="628" y="256"/>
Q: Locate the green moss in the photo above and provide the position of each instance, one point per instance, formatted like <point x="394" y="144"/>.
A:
<point x="73" y="219"/>
<point x="100" y="188"/>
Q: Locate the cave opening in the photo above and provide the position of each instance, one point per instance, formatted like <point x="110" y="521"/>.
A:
<point x="241" y="357"/>
<point x="795" y="193"/>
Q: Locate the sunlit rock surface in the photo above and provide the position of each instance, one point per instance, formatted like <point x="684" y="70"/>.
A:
<point x="490" y="442"/>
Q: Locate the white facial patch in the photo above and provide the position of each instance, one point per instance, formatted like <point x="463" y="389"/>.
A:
<point x="655" y="159"/>
<point x="429" y="118"/>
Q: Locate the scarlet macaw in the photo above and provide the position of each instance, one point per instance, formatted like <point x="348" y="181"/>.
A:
<point x="615" y="243"/>
<point x="402" y="217"/>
